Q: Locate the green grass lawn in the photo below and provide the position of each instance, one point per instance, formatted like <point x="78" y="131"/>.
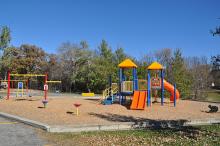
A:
<point x="214" y="95"/>
<point x="201" y="135"/>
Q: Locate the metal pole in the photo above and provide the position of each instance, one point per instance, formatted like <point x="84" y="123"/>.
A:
<point x="148" y="88"/>
<point x="162" y="87"/>
<point x="110" y="86"/>
<point x="136" y="80"/>
<point x="45" y="83"/>
<point x="27" y="86"/>
<point x="133" y="77"/>
<point x="119" y="85"/>
<point x="8" y="94"/>
<point x="122" y="87"/>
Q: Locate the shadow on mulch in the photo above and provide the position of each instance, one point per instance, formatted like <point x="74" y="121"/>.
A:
<point x="24" y="99"/>
<point x="90" y="99"/>
<point x="70" y="112"/>
<point x="40" y="107"/>
<point x="209" y="112"/>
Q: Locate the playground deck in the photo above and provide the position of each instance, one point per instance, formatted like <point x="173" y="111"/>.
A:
<point x="92" y="112"/>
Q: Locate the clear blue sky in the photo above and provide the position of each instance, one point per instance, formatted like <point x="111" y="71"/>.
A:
<point x="139" y="26"/>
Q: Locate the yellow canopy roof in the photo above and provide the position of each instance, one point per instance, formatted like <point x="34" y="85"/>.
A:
<point x="155" y="66"/>
<point x="127" y="63"/>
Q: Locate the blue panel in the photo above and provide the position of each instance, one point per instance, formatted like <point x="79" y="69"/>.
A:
<point x="20" y="85"/>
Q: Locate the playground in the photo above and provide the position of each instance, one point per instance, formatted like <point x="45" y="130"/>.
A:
<point x="132" y="100"/>
<point x="61" y="111"/>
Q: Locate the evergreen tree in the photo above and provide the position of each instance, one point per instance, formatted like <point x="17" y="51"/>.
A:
<point x="5" y="37"/>
<point x="181" y="77"/>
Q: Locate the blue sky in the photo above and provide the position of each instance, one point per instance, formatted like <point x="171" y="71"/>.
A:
<point x="139" y="26"/>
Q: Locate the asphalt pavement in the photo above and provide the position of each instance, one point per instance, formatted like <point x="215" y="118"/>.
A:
<point x="13" y="133"/>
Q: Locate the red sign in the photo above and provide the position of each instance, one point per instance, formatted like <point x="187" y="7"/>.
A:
<point x="156" y="83"/>
<point x="45" y="87"/>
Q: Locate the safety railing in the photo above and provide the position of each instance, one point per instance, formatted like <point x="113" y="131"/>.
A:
<point x="109" y="92"/>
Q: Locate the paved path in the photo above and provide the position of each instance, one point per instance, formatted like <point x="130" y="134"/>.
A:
<point x="17" y="134"/>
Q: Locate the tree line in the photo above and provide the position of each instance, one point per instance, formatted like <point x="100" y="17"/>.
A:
<point x="85" y="69"/>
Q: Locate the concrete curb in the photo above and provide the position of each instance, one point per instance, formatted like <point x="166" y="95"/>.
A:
<point x="202" y="122"/>
<point x="86" y="128"/>
<point x="109" y="127"/>
<point x="26" y="121"/>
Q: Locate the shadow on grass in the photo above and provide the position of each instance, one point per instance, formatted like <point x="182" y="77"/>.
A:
<point x="138" y="120"/>
<point x="161" y="126"/>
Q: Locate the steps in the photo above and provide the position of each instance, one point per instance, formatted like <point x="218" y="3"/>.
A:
<point x="109" y="95"/>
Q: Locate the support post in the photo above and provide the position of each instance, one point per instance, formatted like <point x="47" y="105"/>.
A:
<point x="148" y="89"/>
<point x="27" y="86"/>
<point x="174" y="95"/>
<point x="135" y="79"/>
<point x="110" y="85"/>
<point x="119" y="85"/>
<point x="8" y="94"/>
<point x="22" y="90"/>
<point x="162" y="87"/>
<point x="45" y="83"/>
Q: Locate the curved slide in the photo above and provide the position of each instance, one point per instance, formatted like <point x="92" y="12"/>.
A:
<point x="169" y="87"/>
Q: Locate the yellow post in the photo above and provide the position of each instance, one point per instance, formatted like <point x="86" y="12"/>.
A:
<point x="151" y="98"/>
<point x="77" y="108"/>
<point x="77" y="111"/>
<point x="22" y="91"/>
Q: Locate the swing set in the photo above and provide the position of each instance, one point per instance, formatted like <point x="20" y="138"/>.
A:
<point x="20" y="84"/>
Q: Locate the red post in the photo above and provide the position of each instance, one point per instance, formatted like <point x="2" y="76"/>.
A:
<point x="8" y="94"/>
<point x="45" y="83"/>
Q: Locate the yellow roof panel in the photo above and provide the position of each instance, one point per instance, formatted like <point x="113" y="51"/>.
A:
<point x="155" y="66"/>
<point x="127" y="63"/>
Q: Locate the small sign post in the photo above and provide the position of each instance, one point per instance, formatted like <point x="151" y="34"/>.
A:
<point x="45" y="87"/>
<point x="156" y="83"/>
<point x="20" y="85"/>
<point x="20" y="89"/>
<point x="45" y="91"/>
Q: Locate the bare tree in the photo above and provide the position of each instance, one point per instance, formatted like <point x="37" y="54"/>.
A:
<point x="200" y="72"/>
<point x="164" y="57"/>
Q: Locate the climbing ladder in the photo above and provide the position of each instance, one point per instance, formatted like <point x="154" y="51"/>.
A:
<point x="109" y="94"/>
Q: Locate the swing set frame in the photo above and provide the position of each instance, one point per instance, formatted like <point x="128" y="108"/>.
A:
<point x="27" y="75"/>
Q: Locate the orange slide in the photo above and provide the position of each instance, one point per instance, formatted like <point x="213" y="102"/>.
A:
<point x="169" y="87"/>
<point x="139" y="99"/>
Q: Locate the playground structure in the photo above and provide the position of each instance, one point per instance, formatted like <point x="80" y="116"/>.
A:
<point x="125" y="87"/>
<point x="28" y="85"/>
<point x="140" y="90"/>
<point x="26" y="76"/>
<point x="19" y="85"/>
<point x="54" y="87"/>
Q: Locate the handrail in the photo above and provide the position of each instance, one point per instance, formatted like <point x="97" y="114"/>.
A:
<point x="109" y="91"/>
